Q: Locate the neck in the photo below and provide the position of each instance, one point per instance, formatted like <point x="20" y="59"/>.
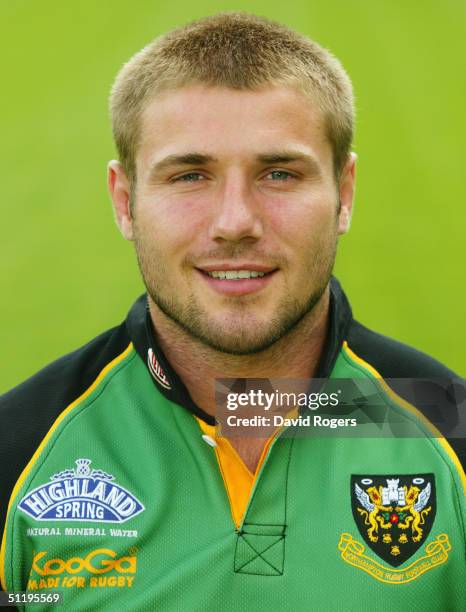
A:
<point x="295" y="355"/>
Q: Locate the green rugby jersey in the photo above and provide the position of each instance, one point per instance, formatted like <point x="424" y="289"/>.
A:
<point x="120" y="495"/>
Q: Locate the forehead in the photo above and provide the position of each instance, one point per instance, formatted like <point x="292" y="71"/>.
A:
<point x="230" y="123"/>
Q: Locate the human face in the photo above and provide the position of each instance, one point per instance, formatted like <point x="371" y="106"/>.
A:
<point x="234" y="183"/>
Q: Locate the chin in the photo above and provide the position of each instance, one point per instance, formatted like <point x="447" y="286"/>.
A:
<point x="239" y="340"/>
<point x="235" y="347"/>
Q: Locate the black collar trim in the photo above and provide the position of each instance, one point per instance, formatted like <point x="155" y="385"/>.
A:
<point x="166" y="380"/>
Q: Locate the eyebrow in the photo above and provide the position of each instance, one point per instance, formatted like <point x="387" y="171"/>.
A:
<point x="287" y="157"/>
<point x="186" y="159"/>
<point x="199" y="159"/>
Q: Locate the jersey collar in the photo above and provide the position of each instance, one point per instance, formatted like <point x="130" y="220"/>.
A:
<point x="167" y="381"/>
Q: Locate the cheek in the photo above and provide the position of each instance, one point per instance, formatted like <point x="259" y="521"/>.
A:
<point x="305" y="224"/>
<point x="170" y="225"/>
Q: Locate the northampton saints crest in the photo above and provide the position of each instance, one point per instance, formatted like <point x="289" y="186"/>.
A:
<point x="394" y="513"/>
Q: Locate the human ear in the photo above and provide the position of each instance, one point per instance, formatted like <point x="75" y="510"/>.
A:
<point x="346" y="194"/>
<point x="119" y="188"/>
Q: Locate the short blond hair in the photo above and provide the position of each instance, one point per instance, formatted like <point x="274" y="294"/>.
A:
<point x="239" y="51"/>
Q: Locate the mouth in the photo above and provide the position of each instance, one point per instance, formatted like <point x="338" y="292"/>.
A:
<point x="242" y="280"/>
<point x="235" y="274"/>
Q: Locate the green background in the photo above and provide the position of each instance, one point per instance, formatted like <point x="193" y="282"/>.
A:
<point x="66" y="273"/>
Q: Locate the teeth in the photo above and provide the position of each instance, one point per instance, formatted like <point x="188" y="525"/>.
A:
<point x="235" y="274"/>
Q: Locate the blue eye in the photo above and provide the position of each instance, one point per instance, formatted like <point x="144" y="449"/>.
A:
<point x="190" y="177"/>
<point x="280" y="175"/>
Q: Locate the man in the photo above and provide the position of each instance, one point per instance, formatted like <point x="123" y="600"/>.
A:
<point x="234" y="181"/>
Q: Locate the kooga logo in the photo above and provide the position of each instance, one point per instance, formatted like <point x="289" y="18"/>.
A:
<point x="81" y="495"/>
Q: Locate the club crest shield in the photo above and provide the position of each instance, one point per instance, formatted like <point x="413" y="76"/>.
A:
<point x="394" y="513"/>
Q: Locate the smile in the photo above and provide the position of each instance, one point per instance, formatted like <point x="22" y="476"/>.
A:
<point x="237" y="283"/>
<point x="235" y="274"/>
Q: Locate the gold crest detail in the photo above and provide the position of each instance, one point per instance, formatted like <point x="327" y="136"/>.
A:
<point x="436" y="553"/>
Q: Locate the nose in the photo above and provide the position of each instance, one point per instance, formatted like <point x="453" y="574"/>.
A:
<point x="237" y="215"/>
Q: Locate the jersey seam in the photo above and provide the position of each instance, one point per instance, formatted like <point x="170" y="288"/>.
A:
<point x="251" y="500"/>
<point x="437" y="450"/>
<point x="82" y="408"/>
<point x="219" y="461"/>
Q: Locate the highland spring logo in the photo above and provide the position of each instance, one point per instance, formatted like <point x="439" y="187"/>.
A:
<point x="80" y="494"/>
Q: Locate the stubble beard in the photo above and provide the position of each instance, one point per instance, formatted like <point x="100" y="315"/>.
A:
<point x="245" y="335"/>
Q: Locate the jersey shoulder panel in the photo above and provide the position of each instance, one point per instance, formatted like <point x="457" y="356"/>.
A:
<point x="422" y="381"/>
<point x="393" y="359"/>
<point x="28" y="411"/>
